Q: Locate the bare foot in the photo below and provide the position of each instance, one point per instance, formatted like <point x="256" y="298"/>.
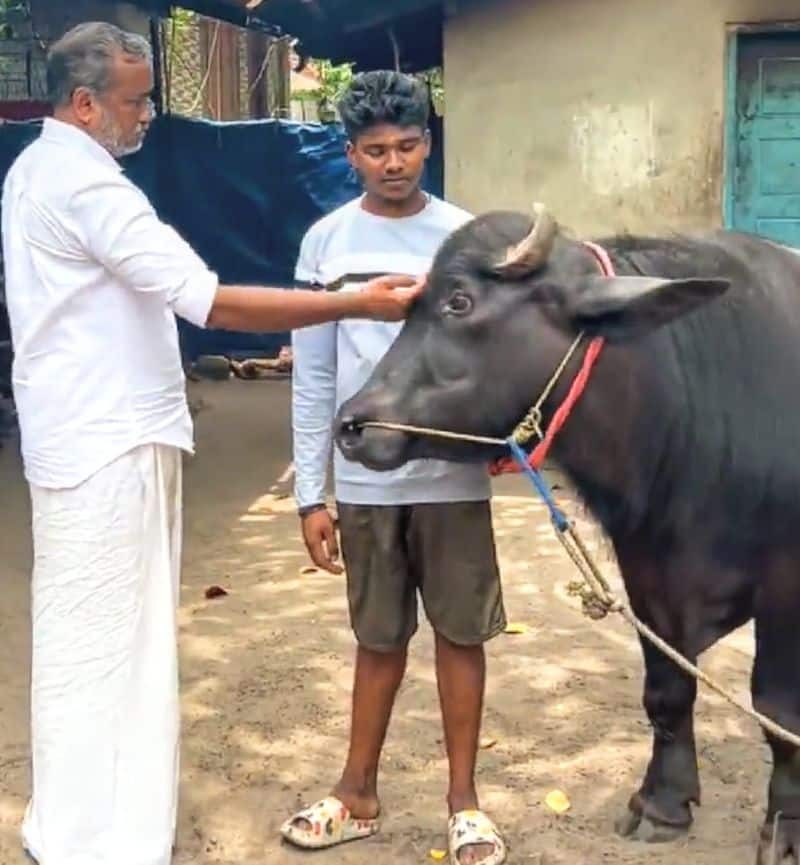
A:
<point x="474" y="854"/>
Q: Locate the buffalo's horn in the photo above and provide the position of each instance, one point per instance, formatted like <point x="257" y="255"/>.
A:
<point x="532" y="252"/>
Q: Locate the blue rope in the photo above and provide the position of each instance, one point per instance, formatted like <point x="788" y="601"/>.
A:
<point x="557" y="515"/>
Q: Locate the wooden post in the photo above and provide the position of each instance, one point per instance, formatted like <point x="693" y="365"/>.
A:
<point x="258" y="46"/>
<point x="158" y="57"/>
<point x="220" y="51"/>
<point x="280" y="86"/>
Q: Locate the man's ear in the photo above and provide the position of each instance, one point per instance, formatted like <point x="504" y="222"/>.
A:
<point x="626" y="307"/>
<point x="83" y="105"/>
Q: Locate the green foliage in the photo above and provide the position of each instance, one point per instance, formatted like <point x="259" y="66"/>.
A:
<point x="334" y="80"/>
<point x="434" y="78"/>
<point x="182" y="21"/>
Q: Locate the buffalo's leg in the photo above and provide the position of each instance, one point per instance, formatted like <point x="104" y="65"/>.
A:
<point x="661" y="809"/>
<point x="776" y="694"/>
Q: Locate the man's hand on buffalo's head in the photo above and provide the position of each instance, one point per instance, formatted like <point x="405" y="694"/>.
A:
<point x="389" y="298"/>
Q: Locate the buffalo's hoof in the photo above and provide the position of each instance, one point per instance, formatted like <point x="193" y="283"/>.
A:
<point x="638" y="827"/>
<point x="780" y="844"/>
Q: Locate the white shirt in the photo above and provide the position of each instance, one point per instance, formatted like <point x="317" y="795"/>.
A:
<point x="333" y="361"/>
<point x="93" y="282"/>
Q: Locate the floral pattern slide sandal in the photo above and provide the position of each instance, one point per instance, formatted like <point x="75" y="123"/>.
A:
<point x="471" y="828"/>
<point x="329" y="823"/>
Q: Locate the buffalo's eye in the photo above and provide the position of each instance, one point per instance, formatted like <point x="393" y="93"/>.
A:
<point x="459" y="303"/>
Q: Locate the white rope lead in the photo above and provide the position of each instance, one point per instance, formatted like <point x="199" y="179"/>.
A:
<point x="435" y="433"/>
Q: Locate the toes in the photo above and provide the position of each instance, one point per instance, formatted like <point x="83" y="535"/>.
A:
<point x="474" y="854"/>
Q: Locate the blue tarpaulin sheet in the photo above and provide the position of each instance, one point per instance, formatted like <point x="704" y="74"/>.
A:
<point x="242" y="194"/>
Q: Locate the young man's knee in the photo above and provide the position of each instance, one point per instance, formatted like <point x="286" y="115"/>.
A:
<point x="384" y="646"/>
<point x="466" y="629"/>
<point x="465" y="642"/>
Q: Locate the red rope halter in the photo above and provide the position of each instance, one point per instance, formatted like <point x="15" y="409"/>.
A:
<point x="507" y="465"/>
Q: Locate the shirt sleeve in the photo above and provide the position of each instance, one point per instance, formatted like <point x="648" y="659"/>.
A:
<point x="313" y="393"/>
<point x="121" y="230"/>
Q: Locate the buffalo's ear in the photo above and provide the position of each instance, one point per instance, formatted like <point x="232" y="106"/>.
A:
<point x="625" y="307"/>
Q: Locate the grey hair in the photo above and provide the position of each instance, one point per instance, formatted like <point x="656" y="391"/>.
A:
<point x="84" y="57"/>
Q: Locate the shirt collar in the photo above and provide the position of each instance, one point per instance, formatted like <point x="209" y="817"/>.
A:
<point x="70" y="136"/>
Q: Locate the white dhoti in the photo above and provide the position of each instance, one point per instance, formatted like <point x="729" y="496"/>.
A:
<point x="104" y="705"/>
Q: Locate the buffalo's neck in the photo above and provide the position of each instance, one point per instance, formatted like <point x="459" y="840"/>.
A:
<point x="615" y="444"/>
<point x="611" y="446"/>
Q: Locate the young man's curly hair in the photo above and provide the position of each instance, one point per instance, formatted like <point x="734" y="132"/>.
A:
<point x="375" y="98"/>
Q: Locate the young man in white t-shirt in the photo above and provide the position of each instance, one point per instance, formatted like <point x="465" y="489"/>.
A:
<point x="425" y="528"/>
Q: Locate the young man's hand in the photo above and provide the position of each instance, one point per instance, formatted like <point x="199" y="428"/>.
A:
<point x="388" y="298"/>
<point x="319" y="533"/>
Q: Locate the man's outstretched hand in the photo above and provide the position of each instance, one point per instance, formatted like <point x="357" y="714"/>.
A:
<point x="260" y="310"/>
<point x="388" y="298"/>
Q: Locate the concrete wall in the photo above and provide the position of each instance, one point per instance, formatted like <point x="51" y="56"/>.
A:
<point x="610" y="111"/>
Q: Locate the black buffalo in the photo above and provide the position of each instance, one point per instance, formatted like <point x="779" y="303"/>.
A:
<point x="685" y="445"/>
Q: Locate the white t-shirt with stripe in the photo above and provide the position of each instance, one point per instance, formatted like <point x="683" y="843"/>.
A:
<point x="333" y="361"/>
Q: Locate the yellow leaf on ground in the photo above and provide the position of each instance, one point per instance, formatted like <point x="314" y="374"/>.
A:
<point x="516" y="628"/>
<point x="438" y="855"/>
<point x="557" y="801"/>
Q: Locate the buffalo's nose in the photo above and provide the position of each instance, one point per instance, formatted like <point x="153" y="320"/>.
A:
<point x="349" y="431"/>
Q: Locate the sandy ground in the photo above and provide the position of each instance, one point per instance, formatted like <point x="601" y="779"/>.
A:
<point x="266" y="678"/>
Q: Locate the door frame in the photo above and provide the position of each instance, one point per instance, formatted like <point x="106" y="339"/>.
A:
<point x="733" y="34"/>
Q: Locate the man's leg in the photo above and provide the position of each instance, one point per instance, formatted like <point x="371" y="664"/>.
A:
<point x="377" y="678"/>
<point x="382" y="602"/>
<point x="452" y="547"/>
<point x="104" y="674"/>
<point x="461" y="675"/>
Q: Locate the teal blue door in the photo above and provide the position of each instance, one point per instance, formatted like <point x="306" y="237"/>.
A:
<point x="766" y="182"/>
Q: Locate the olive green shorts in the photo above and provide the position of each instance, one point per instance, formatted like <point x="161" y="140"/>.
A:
<point x="446" y="552"/>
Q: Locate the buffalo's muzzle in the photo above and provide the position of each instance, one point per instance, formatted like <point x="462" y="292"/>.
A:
<point x="349" y="433"/>
<point x="377" y="449"/>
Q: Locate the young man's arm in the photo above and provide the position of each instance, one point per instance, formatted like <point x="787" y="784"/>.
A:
<point x="313" y="409"/>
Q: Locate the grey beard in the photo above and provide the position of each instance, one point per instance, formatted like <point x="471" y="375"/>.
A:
<point x="119" y="151"/>
<point x="109" y="136"/>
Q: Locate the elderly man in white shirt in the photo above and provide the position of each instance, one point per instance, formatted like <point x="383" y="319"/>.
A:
<point x="93" y="282"/>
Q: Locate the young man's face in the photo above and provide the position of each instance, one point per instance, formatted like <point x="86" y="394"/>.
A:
<point x="390" y="160"/>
